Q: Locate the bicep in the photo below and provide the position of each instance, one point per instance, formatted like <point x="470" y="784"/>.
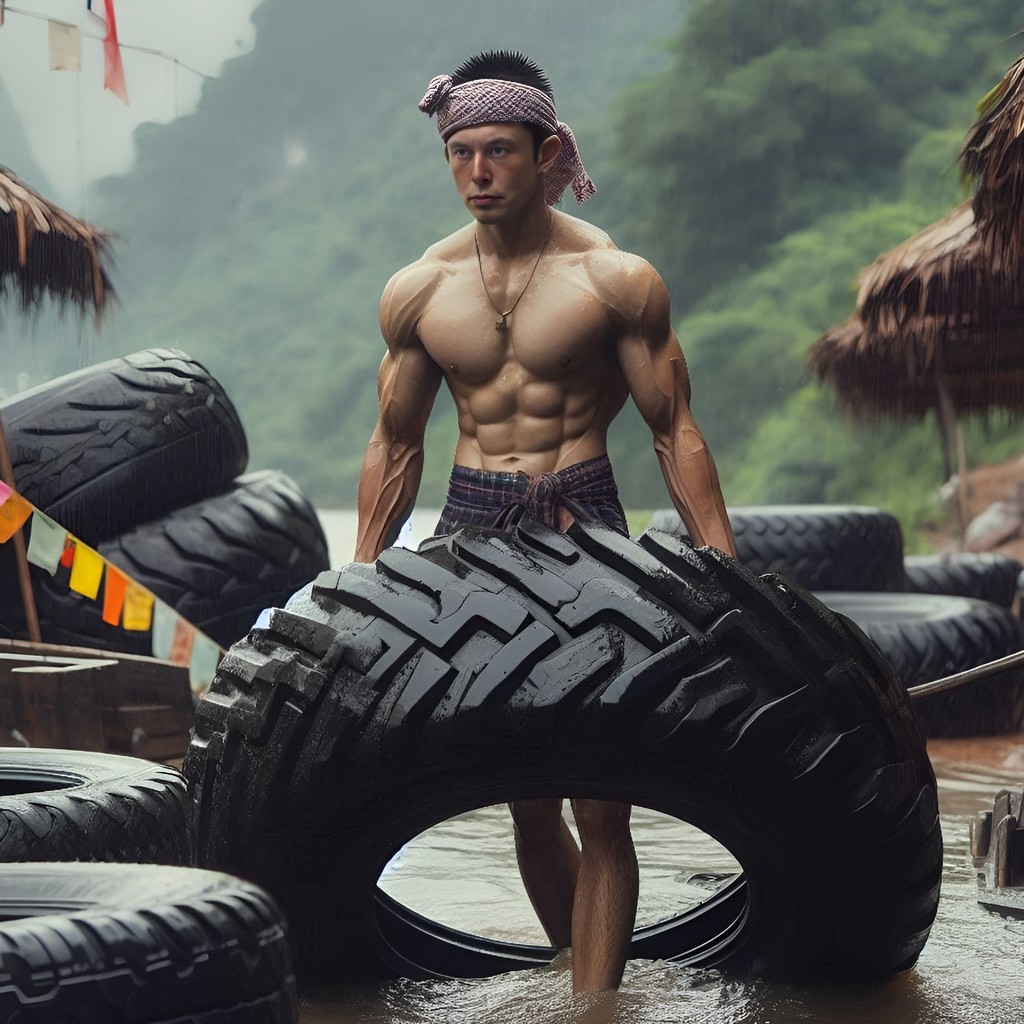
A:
<point x="655" y="372"/>
<point x="407" y="384"/>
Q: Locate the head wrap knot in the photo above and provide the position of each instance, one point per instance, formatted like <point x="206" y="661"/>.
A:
<point x="496" y="101"/>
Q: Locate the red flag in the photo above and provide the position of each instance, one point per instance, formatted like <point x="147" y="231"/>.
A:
<point x="113" y="72"/>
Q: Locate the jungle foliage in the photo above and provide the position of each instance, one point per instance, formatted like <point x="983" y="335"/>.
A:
<point x="758" y="157"/>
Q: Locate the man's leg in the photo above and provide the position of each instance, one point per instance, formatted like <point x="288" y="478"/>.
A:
<point x="606" y="895"/>
<point x="549" y="862"/>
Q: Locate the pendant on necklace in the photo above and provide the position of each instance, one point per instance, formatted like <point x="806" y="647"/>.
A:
<point x="502" y="324"/>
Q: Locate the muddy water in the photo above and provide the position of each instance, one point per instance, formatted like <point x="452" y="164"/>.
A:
<point x="463" y="873"/>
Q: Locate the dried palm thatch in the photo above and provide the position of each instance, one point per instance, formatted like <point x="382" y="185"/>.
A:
<point x="940" y="318"/>
<point x="45" y="252"/>
<point x="993" y="155"/>
<point x="941" y="310"/>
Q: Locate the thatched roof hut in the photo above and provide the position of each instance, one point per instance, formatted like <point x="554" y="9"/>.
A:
<point x="44" y="251"/>
<point x="940" y="318"/>
<point x="940" y="311"/>
<point x="993" y="156"/>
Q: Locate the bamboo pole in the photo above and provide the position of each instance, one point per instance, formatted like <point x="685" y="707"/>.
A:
<point x="954" y="454"/>
<point x="20" y="555"/>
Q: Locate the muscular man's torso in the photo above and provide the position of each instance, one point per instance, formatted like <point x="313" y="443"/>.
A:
<point x="539" y="395"/>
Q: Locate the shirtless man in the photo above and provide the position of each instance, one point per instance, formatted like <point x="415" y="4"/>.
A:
<point x="541" y="328"/>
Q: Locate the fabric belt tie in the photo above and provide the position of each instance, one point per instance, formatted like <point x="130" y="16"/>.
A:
<point x="542" y="497"/>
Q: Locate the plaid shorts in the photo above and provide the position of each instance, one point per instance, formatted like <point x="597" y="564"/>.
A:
<point x="476" y="497"/>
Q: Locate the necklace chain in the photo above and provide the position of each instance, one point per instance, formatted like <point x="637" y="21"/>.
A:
<point x="502" y="324"/>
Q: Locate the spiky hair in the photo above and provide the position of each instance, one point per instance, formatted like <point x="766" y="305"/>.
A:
<point x="507" y="65"/>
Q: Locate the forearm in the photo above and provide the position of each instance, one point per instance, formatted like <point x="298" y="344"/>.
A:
<point x="388" y="484"/>
<point x="692" y="481"/>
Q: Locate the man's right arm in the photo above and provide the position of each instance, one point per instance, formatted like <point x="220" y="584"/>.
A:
<point x="406" y="387"/>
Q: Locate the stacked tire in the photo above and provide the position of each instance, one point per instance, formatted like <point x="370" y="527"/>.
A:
<point x="931" y="616"/>
<point x="102" y="918"/>
<point x="142" y="458"/>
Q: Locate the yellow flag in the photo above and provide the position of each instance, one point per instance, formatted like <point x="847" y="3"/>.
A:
<point x="138" y="608"/>
<point x="87" y="572"/>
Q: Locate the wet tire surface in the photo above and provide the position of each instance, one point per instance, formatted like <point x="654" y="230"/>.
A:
<point x="821" y="547"/>
<point x="140" y="944"/>
<point x="496" y="666"/>
<point x="926" y="637"/>
<point x="124" y="441"/>
<point x="74" y="805"/>
<point x="983" y="575"/>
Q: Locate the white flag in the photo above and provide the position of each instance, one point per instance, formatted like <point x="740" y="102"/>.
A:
<point x="65" y="47"/>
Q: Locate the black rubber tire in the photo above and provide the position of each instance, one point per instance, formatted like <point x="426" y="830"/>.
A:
<point x="218" y="563"/>
<point x="140" y="944"/>
<point x="986" y="576"/>
<point x="123" y="441"/>
<point x="497" y="666"/>
<point x="62" y="805"/>
<point x="926" y="637"/>
<point x="821" y="547"/>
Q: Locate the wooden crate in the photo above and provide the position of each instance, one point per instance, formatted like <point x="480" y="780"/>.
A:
<point x="82" y="699"/>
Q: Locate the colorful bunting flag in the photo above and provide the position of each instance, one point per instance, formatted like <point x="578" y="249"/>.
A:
<point x="14" y="510"/>
<point x="138" y="608"/>
<point x="113" y="595"/>
<point x="65" y="47"/>
<point x="87" y="572"/>
<point x="174" y="638"/>
<point x="203" y="666"/>
<point x="113" y="73"/>
<point x="67" y="558"/>
<point x="46" y="542"/>
<point x="163" y="630"/>
<point x="183" y="642"/>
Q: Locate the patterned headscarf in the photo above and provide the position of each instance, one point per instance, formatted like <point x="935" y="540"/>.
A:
<point x="494" y="100"/>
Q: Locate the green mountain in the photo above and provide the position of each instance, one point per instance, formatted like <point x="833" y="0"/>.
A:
<point x="258" y="233"/>
<point x="759" y="152"/>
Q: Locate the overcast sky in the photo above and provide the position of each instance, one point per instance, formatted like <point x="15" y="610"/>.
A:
<point x="77" y="130"/>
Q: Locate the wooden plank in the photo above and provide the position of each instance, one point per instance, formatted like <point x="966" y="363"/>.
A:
<point x="156" y="748"/>
<point x="122" y="724"/>
<point x="55" y="705"/>
<point x="133" y="679"/>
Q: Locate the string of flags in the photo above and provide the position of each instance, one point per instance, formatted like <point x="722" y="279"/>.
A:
<point x="124" y="602"/>
<point x="66" y="44"/>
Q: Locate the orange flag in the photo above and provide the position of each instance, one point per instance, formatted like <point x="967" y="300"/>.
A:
<point x="113" y="595"/>
<point x="14" y="511"/>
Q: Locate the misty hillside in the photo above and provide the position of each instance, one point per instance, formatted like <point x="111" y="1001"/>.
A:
<point x="258" y="233"/>
<point x="759" y="152"/>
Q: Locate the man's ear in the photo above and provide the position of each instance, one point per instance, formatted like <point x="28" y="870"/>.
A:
<point x="548" y="153"/>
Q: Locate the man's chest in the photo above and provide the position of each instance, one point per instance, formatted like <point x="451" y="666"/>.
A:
<point x="556" y="329"/>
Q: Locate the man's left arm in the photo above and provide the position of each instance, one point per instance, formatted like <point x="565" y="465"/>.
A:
<point x="655" y="370"/>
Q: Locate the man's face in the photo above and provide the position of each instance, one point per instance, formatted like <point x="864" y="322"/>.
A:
<point x="494" y="169"/>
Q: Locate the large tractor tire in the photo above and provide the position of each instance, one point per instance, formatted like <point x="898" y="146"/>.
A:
<point x="821" y="547"/>
<point x="140" y="944"/>
<point x="64" y="805"/>
<point x="986" y="576"/>
<point x="495" y="666"/>
<point x="124" y="441"/>
<point x="926" y="637"/>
